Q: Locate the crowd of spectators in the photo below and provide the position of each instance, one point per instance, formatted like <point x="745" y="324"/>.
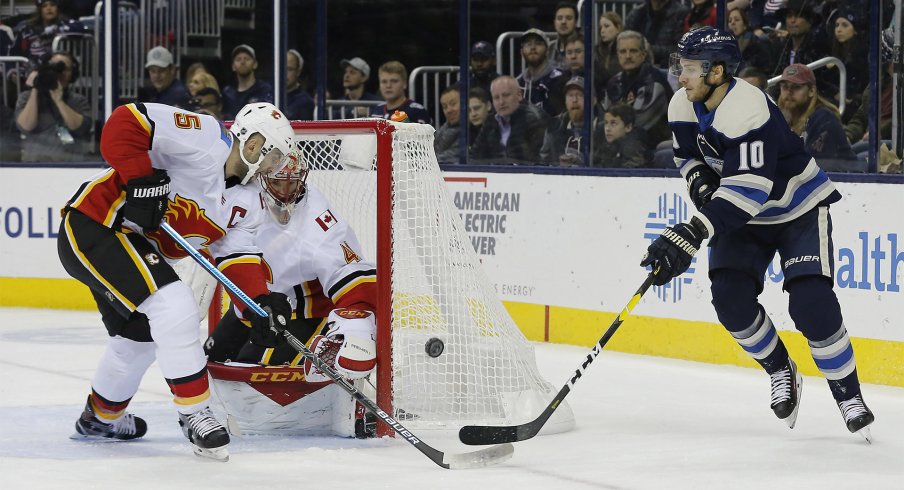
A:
<point x="535" y="117"/>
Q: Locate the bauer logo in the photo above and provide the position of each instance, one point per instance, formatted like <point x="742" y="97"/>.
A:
<point x="671" y="209"/>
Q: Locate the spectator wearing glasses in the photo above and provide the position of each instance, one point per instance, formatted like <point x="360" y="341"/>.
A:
<point x="207" y="101"/>
<point x="299" y="103"/>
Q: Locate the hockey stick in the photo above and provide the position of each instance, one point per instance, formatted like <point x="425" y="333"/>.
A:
<point x="475" y="459"/>
<point x="486" y="434"/>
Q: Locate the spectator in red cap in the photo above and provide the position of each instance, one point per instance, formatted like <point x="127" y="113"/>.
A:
<point x="815" y="119"/>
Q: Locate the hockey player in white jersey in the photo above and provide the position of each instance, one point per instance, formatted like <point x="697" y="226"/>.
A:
<point x="315" y="259"/>
<point x="166" y="163"/>
<point x="757" y="192"/>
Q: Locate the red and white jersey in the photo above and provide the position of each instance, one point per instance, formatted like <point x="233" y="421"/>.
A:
<point x="192" y="148"/>
<point x="315" y="259"/>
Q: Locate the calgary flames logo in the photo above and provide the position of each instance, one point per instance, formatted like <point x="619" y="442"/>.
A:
<point x="191" y="222"/>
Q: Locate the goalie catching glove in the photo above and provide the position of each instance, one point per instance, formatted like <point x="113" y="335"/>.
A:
<point x="147" y="199"/>
<point x="671" y="253"/>
<point x="348" y="346"/>
<point x="702" y="182"/>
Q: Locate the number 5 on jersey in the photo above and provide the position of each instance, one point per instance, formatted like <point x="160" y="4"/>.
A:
<point x="751" y="155"/>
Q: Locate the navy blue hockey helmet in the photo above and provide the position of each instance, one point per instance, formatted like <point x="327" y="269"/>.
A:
<point x="710" y="45"/>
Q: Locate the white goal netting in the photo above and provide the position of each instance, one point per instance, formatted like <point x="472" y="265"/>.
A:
<point x="487" y="371"/>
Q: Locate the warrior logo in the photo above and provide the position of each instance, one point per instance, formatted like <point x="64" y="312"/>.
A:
<point x="152" y="259"/>
<point x="110" y="296"/>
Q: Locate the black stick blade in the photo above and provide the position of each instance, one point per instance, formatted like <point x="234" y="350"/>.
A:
<point x="479" y="435"/>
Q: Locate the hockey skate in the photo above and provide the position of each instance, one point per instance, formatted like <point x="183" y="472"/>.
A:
<point x="787" y="386"/>
<point x="126" y="427"/>
<point x="857" y="417"/>
<point x="208" y="437"/>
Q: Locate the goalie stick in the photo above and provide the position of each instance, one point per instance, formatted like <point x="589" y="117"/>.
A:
<point x="476" y="435"/>
<point x="474" y="459"/>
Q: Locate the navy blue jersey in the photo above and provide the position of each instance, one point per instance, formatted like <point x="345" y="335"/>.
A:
<point x="416" y="112"/>
<point x="767" y="174"/>
<point x="233" y="100"/>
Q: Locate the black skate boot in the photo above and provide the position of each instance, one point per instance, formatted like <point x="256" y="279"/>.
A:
<point x="126" y="427"/>
<point x="206" y="434"/>
<point x="857" y="417"/>
<point x="787" y="386"/>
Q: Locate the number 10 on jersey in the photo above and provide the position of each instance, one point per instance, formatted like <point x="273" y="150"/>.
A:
<point x="751" y="155"/>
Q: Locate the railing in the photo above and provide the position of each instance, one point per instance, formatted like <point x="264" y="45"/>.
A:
<point x="508" y="49"/>
<point x="345" y="109"/>
<point x="8" y="66"/>
<point x="842" y="77"/>
<point x="199" y="18"/>
<point x="239" y="4"/>
<point x="432" y="80"/>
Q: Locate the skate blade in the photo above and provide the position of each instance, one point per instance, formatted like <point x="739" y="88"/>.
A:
<point x="792" y="419"/>
<point x="865" y="434"/>
<point x="215" y="454"/>
<point x="77" y="436"/>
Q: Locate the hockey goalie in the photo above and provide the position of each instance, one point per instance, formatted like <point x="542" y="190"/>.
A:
<point x="262" y="383"/>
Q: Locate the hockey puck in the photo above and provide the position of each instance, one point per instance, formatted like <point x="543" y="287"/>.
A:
<point x="434" y="347"/>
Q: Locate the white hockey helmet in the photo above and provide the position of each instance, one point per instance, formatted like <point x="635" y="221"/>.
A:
<point x="279" y="138"/>
<point x="284" y="188"/>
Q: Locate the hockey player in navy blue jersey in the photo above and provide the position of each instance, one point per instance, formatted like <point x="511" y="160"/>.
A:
<point x="757" y="192"/>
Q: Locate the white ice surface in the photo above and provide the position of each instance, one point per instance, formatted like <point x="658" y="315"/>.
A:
<point x="643" y="423"/>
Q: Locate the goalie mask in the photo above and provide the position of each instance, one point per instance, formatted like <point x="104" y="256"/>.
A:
<point x="278" y="148"/>
<point x="284" y="188"/>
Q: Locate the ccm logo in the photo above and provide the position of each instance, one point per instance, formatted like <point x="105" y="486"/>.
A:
<point x="277" y="377"/>
<point x="802" y="258"/>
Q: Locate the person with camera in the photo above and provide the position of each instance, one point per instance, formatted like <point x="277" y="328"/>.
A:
<point x="54" y="122"/>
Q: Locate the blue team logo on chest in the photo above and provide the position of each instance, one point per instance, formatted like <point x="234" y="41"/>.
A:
<point x="711" y="155"/>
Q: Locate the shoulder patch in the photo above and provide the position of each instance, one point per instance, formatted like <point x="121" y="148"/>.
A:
<point x="350" y="255"/>
<point x="416" y="105"/>
<point x="326" y="220"/>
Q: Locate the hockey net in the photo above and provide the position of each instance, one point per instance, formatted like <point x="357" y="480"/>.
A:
<point x="383" y="178"/>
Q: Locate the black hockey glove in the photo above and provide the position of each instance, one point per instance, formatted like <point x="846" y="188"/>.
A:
<point x="147" y="199"/>
<point x="265" y="331"/>
<point x="673" y="250"/>
<point x="702" y="182"/>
